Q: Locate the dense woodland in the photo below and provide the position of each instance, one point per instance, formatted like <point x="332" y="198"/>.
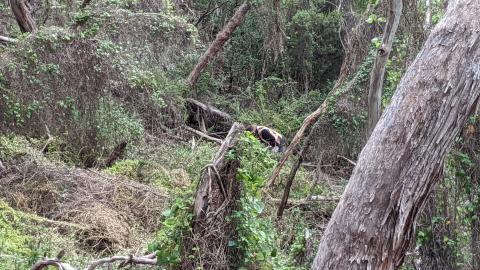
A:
<point x="124" y="135"/>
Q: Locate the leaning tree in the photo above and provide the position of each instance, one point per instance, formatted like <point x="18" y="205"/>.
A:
<point x="372" y="226"/>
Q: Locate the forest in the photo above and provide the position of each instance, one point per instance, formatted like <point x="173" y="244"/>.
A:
<point x="240" y="134"/>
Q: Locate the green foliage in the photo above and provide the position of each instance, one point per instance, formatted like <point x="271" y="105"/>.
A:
<point x="129" y="168"/>
<point x="345" y="123"/>
<point x="115" y="124"/>
<point x="285" y="114"/>
<point x="12" y="146"/>
<point x="25" y="238"/>
<point x="256" y="164"/>
<point x="177" y="222"/>
<point x="256" y="236"/>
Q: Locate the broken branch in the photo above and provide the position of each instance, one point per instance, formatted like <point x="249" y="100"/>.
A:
<point x="309" y="120"/>
<point x="203" y="135"/>
<point x="4" y="39"/>
<point x="125" y="260"/>
<point x="210" y="109"/>
<point x="218" y="43"/>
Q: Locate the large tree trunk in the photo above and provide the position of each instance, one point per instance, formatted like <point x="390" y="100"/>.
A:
<point x="373" y="223"/>
<point x="378" y="71"/>
<point x="22" y="10"/>
<point x="218" y="43"/>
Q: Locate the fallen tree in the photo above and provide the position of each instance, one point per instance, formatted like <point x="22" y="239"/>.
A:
<point x="222" y="37"/>
<point x="372" y="226"/>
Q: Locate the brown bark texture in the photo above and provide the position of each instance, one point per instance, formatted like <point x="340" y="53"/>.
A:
<point x="378" y="71"/>
<point x="218" y="43"/>
<point x="23" y="14"/>
<point x="372" y="225"/>
<point x="215" y="199"/>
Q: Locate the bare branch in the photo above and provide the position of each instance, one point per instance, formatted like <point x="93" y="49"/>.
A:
<point x="218" y="43"/>
<point x="4" y="39"/>
<point x="378" y="71"/>
<point x="125" y="260"/>
<point x="203" y="135"/>
<point x="210" y="109"/>
<point x="311" y="119"/>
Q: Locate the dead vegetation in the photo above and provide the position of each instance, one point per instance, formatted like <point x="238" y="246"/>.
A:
<point x="113" y="211"/>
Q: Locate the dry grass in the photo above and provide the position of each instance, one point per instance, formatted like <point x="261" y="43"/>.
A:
<point x="115" y="211"/>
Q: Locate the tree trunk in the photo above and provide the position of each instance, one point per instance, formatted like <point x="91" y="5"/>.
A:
<point x="373" y="223"/>
<point x="215" y="198"/>
<point x="218" y="43"/>
<point x="378" y="70"/>
<point x="23" y="14"/>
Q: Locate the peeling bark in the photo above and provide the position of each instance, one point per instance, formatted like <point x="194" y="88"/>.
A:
<point x="372" y="226"/>
<point x="22" y="10"/>
<point x="378" y="71"/>
<point x="218" y="43"/>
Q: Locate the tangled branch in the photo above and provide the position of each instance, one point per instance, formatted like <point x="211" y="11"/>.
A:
<point x="44" y="263"/>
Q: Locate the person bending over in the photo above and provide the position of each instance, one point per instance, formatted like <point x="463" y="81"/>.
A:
<point x="269" y="137"/>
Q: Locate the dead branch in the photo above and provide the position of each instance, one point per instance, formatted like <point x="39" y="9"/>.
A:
<point x="306" y="201"/>
<point x="149" y="259"/>
<point x="210" y="109"/>
<point x="5" y="40"/>
<point x="311" y="119"/>
<point x="203" y="135"/>
<point x="218" y="43"/>
<point x="378" y="71"/>
<point x="116" y="154"/>
<point x="44" y="263"/>
<point x="348" y="160"/>
<point x="56" y="262"/>
<point x="288" y="185"/>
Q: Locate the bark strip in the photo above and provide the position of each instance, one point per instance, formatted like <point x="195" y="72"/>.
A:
<point x="373" y="223"/>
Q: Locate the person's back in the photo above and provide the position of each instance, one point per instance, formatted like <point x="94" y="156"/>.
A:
<point x="268" y="136"/>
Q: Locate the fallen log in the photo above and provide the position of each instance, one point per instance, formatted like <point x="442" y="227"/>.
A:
<point x="149" y="259"/>
<point x="210" y="109"/>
